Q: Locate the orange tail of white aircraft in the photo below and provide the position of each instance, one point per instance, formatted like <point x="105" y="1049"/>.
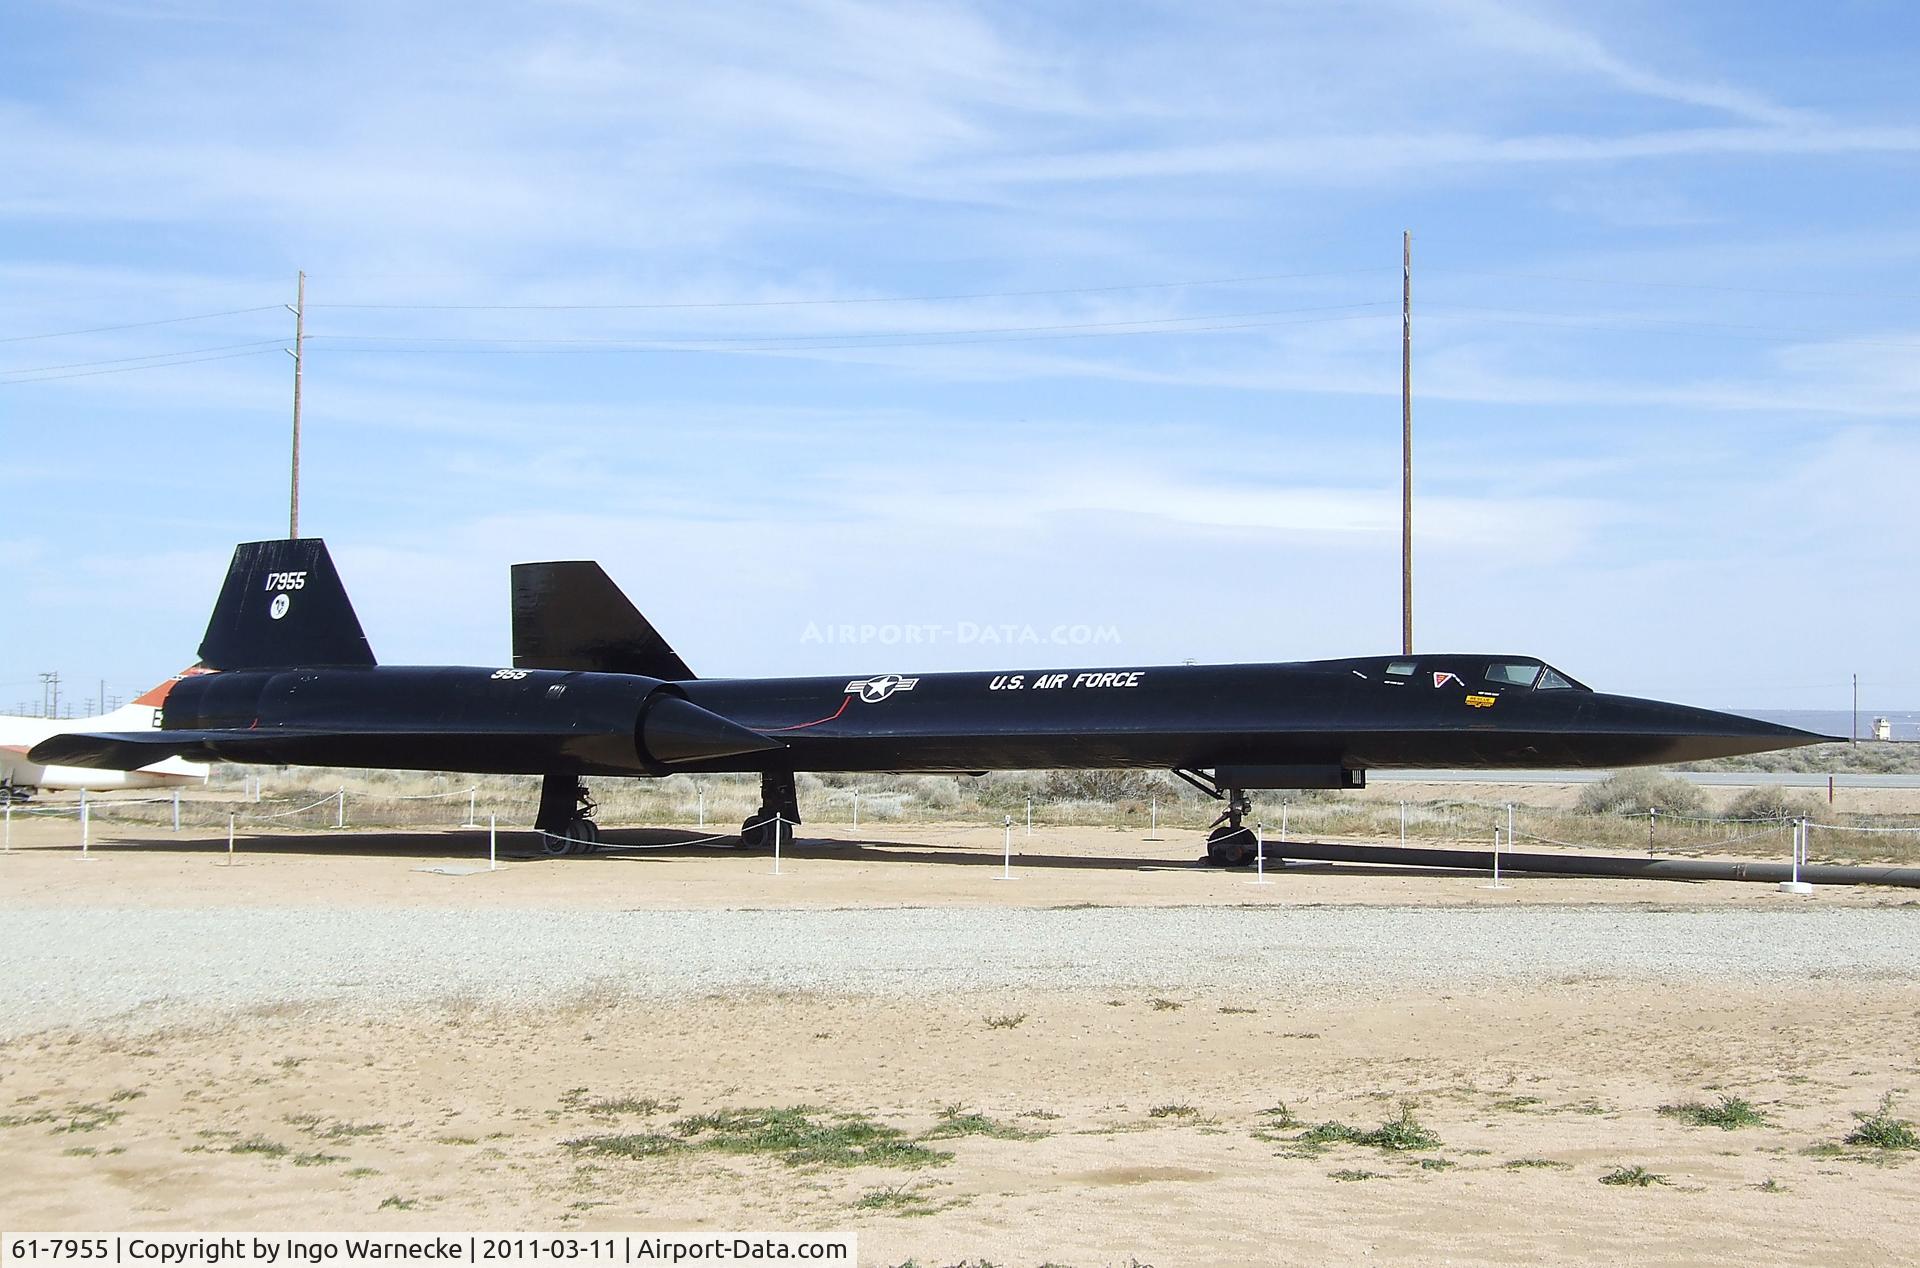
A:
<point x="20" y="778"/>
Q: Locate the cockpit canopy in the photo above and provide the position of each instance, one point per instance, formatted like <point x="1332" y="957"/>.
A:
<point x="1504" y="672"/>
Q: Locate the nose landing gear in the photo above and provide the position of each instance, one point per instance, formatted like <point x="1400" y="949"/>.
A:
<point x="1230" y="843"/>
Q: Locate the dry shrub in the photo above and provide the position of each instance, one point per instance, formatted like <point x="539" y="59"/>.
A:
<point x="1638" y="791"/>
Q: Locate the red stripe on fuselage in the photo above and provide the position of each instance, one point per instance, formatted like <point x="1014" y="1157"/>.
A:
<point x="801" y="726"/>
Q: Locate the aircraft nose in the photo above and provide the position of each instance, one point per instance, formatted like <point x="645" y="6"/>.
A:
<point x="1683" y="733"/>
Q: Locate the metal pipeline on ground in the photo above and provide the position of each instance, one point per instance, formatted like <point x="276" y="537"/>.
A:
<point x="1669" y="869"/>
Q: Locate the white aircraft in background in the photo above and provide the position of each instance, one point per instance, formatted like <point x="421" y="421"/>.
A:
<point x="20" y="778"/>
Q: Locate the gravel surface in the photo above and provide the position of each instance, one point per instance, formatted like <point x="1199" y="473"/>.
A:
<point x="159" y="967"/>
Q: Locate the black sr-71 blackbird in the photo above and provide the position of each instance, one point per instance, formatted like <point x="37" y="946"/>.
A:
<point x="286" y="676"/>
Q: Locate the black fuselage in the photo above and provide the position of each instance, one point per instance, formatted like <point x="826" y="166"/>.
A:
<point x="1334" y="715"/>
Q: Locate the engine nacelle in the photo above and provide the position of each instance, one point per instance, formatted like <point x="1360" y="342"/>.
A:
<point x="518" y="721"/>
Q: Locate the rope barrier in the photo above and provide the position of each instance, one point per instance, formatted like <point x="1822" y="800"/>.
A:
<point x="1680" y="818"/>
<point x="1751" y="836"/>
<point x="1838" y="827"/>
<point x="604" y="848"/>
<point x="1443" y="813"/>
<point x="296" y="810"/>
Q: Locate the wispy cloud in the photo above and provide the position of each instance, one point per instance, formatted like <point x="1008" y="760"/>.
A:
<point x="1532" y="33"/>
<point x="1341" y="158"/>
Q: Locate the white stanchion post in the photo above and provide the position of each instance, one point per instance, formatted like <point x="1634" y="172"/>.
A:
<point x="493" y="855"/>
<point x="1006" y="861"/>
<point x="1403" y="823"/>
<point x="340" y="810"/>
<point x="778" y="824"/>
<point x="1509" y="825"/>
<point x="856" y="808"/>
<point x="1283" y="820"/>
<point x="1029" y="816"/>
<point x="176" y="810"/>
<point x="1496" y="861"/>
<point x="86" y="826"/>
<point x="1800" y="835"/>
<point x="229" y="840"/>
<point x="703" y="807"/>
<point x="473" y="798"/>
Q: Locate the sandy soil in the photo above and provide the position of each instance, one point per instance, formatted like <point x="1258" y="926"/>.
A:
<point x="1143" y="1131"/>
<point x="459" y="1120"/>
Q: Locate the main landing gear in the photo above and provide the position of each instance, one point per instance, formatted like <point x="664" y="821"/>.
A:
<point x="779" y="813"/>
<point x="565" y="820"/>
<point x="1229" y="842"/>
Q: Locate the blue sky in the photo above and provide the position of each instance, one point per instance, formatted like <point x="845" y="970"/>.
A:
<point x="975" y="316"/>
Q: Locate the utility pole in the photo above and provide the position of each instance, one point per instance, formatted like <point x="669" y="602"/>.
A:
<point x="50" y="694"/>
<point x="1406" y="442"/>
<point x="1853" y="733"/>
<point x="298" y="350"/>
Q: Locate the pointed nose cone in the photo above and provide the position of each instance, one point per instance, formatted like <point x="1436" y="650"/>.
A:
<point x="675" y="730"/>
<point x="1681" y="733"/>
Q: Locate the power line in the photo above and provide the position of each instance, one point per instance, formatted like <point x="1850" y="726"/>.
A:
<point x="154" y="356"/>
<point x="1684" y="286"/>
<point x="129" y="369"/>
<point x="760" y="344"/>
<point x="136" y="325"/>
<point x="860" y="340"/>
<point x="777" y="344"/>
<point x="874" y="299"/>
<point x="855" y="335"/>
<point x="1665" y="325"/>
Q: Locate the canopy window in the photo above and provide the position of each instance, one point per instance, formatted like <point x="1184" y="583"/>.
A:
<point x="1513" y="673"/>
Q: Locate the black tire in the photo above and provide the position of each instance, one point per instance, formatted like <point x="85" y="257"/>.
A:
<point x="1231" y="847"/>
<point x="757" y="832"/>
<point x="580" y="836"/>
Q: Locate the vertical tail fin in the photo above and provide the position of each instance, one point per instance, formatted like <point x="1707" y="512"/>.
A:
<point x="570" y="615"/>
<point x="283" y="606"/>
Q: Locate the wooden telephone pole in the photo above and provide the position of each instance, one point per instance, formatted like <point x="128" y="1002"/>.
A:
<point x="298" y="349"/>
<point x="1406" y="442"/>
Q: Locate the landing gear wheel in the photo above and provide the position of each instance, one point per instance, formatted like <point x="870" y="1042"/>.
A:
<point x="1231" y="846"/>
<point x="757" y="832"/>
<point x="779" y="812"/>
<point x="581" y="836"/>
<point x="565" y="819"/>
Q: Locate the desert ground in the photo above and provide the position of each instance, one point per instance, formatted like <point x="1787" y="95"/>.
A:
<point x="1113" y="1057"/>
